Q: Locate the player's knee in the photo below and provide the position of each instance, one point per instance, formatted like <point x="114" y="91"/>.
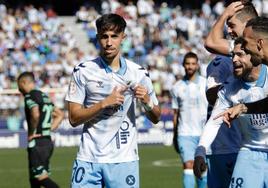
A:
<point x="188" y="165"/>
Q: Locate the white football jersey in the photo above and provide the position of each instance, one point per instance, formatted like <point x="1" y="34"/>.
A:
<point x="190" y="98"/>
<point x="110" y="137"/>
<point x="254" y="127"/>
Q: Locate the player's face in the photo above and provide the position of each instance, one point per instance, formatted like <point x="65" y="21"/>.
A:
<point x="242" y="65"/>
<point x="22" y="86"/>
<point x="110" y="42"/>
<point x="235" y="27"/>
<point x="190" y="66"/>
<point x="251" y="47"/>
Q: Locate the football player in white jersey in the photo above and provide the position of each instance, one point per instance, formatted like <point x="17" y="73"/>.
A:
<point x="235" y="16"/>
<point x="190" y="110"/>
<point x="102" y="95"/>
<point x="222" y="155"/>
<point x="250" y="84"/>
<point x="255" y="37"/>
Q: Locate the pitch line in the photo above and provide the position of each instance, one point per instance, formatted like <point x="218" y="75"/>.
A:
<point x="167" y="163"/>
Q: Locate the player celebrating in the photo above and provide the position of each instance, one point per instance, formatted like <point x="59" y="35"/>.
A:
<point x="102" y="96"/>
<point x="250" y="84"/>
<point x="42" y="117"/>
<point x="222" y="155"/>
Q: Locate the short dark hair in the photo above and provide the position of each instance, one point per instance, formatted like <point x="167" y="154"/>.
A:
<point x="259" y="24"/>
<point x="189" y="55"/>
<point x="113" y="22"/>
<point x="239" y="40"/>
<point x="28" y="75"/>
<point x="247" y="12"/>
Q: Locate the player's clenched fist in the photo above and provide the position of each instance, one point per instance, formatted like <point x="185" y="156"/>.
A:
<point x="116" y="97"/>
<point x="141" y="93"/>
<point x="199" y="166"/>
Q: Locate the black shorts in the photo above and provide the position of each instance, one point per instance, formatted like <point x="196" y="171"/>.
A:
<point x="39" y="156"/>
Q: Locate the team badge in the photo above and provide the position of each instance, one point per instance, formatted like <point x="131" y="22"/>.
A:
<point x="72" y="87"/>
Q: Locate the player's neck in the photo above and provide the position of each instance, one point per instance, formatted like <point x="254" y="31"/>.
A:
<point x="114" y="63"/>
<point x="190" y="77"/>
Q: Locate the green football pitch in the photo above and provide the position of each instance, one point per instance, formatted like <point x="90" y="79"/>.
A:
<point x="159" y="167"/>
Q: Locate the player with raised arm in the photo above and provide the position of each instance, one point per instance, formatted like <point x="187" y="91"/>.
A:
<point x="249" y="84"/>
<point x="190" y="110"/>
<point x="235" y="16"/>
<point x="102" y="96"/>
<point x="255" y="43"/>
<point x="42" y="117"/>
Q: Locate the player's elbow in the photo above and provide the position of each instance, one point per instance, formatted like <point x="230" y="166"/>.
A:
<point x="209" y="45"/>
<point x="73" y="121"/>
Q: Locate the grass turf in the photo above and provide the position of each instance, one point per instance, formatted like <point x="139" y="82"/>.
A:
<point x="159" y="167"/>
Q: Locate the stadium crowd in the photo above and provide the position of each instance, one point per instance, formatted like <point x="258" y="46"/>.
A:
<point x="158" y="37"/>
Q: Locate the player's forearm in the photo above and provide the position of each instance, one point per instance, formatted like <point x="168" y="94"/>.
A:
<point x="209" y="133"/>
<point x="257" y="107"/>
<point x="154" y="114"/>
<point x="34" y="123"/>
<point x="215" y="41"/>
<point x="80" y="115"/>
<point x="57" y="120"/>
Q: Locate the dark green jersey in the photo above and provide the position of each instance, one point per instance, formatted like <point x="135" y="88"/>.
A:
<point x="40" y="99"/>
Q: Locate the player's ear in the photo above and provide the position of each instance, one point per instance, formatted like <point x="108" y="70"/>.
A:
<point x="124" y="35"/>
<point x="260" y="44"/>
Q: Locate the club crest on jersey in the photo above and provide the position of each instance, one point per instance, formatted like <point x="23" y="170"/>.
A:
<point x="100" y="84"/>
<point x="72" y="87"/>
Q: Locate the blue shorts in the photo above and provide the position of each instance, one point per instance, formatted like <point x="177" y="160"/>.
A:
<point x="220" y="169"/>
<point x="251" y="170"/>
<point x="187" y="146"/>
<point x="110" y="175"/>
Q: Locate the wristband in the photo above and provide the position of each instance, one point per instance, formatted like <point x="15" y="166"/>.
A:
<point x="149" y="106"/>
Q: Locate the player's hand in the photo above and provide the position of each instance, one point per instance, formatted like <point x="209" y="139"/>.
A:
<point x="141" y="93"/>
<point x="199" y="166"/>
<point x="232" y="113"/>
<point x="233" y="8"/>
<point x="116" y="98"/>
<point x="57" y="113"/>
<point x="33" y="136"/>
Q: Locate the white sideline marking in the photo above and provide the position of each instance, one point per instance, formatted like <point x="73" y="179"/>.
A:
<point x="167" y="163"/>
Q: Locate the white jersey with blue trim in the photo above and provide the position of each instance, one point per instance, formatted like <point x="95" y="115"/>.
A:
<point x="111" y="136"/>
<point x="228" y="140"/>
<point x="254" y="127"/>
<point x="190" y="98"/>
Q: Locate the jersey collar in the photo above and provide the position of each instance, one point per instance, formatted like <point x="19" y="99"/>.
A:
<point x="261" y="79"/>
<point x="196" y="80"/>
<point x="108" y="69"/>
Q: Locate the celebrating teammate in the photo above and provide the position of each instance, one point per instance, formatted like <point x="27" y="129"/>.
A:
<point x="102" y="96"/>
